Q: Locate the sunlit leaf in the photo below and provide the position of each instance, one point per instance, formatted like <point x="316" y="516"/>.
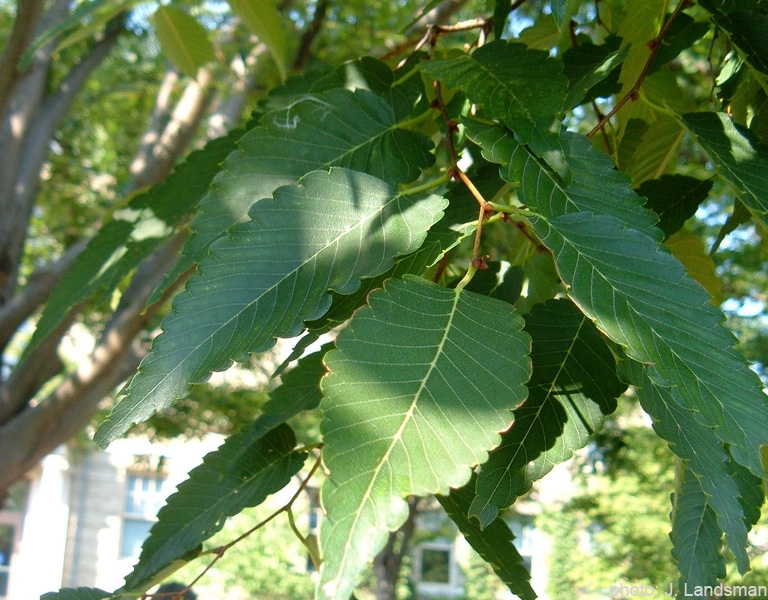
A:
<point x="358" y="130"/>
<point x="183" y="39"/>
<point x="263" y="19"/>
<point x="269" y="275"/>
<point x="422" y="382"/>
<point x="689" y="249"/>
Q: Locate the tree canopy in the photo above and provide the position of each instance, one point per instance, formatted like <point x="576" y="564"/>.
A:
<point x="509" y="216"/>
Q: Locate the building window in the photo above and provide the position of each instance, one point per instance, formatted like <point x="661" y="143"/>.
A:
<point x="144" y="497"/>
<point x="7" y="535"/>
<point x="435" y="570"/>
<point x="523" y="530"/>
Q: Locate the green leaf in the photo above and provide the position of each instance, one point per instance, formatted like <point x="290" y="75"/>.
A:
<point x="135" y="231"/>
<point x="523" y="88"/>
<point x="642" y="24"/>
<point x="559" y="10"/>
<point x="574" y="383"/>
<point x="358" y="130"/>
<point x="493" y="542"/>
<point x="696" y="539"/>
<point x="675" y="199"/>
<point x="81" y="593"/>
<point x="702" y="453"/>
<point x="420" y="386"/>
<point x="262" y="18"/>
<point x="586" y="65"/>
<point x="368" y="73"/>
<point x="636" y="292"/>
<point x="246" y="469"/>
<point x="90" y="16"/>
<point x="689" y="249"/>
<point x="746" y="30"/>
<point x="654" y="152"/>
<point x="269" y="275"/>
<point x="681" y="35"/>
<point x="183" y="39"/>
<point x="738" y="157"/>
<point x="738" y="217"/>
<point x="595" y="184"/>
<point x="437" y="242"/>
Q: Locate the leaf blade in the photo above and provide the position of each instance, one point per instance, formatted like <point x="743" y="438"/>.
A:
<point x="183" y="39"/>
<point x="574" y="384"/>
<point x="493" y="542"/>
<point x="406" y="394"/>
<point x="269" y="275"/>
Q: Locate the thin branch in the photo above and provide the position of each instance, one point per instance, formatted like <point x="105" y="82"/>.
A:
<point x="161" y="114"/>
<point x="634" y="93"/>
<point x="303" y="53"/>
<point x="186" y="117"/>
<point x="27" y="16"/>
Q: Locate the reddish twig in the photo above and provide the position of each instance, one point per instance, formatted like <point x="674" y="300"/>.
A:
<point x="634" y="93"/>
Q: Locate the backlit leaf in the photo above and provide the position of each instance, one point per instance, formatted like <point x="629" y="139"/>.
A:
<point x="574" y="384"/>
<point x="262" y="18"/>
<point x="183" y="39"/>
<point x="689" y="249"/>
<point x="421" y="384"/>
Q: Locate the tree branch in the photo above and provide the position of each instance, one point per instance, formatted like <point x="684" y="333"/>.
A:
<point x="25" y="181"/>
<point x="161" y="114"/>
<point x="37" y="430"/>
<point x="27" y="17"/>
<point x="34" y="294"/>
<point x="302" y="54"/>
<point x="178" y="133"/>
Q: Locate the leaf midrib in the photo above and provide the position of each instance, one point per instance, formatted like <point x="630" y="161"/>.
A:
<point x="548" y="396"/>
<point x="262" y="295"/>
<point x="398" y="434"/>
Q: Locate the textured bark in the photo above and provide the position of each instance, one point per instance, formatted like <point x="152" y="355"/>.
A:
<point x="31" y="427"/>
<point x="37" y="430"/>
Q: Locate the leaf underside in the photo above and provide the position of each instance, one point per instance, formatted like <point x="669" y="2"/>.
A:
<point x="422" y="382"/>
<point x="574" y="384"/>
<point x="609" y="256"/>
<point x="493" y="542"/>
<point x="269" y="275"/>
<point x="357" y="130"/>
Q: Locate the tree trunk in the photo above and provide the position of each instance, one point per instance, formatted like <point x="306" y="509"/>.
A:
<point x="388" y="562"/>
